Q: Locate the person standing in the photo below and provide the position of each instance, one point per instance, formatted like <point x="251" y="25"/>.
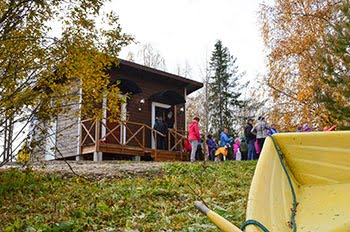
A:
<point x="193" y="137"/>
<point x="250" y="137"/>
<point x="299" y="128"/>
<point x="243" y="147"/>
<point x="306" y="128"/>
<point x="224" y="138"/>
<point x="272" y="130"/>
<point x="236" y="149"/>
<point x="212" y="146"/>
<point x="260" y="129"/>
<point x="159" y="126"/>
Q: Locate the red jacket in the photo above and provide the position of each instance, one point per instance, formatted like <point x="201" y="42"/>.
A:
<point x="193" y="131"/>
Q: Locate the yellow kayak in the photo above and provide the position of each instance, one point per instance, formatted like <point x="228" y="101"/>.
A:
<point x="301" y="183"/>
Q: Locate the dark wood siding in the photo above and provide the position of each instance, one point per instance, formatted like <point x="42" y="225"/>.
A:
<point x="149" y="85"/>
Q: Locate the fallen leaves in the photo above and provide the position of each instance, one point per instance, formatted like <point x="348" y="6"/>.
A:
<point x="161" y="203"/>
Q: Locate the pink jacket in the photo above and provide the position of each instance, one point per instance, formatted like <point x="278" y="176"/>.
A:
<point x="236" y="146"/>
<point x="193" y="131"/>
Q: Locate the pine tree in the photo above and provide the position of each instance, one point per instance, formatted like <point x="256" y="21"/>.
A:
<point x="223" y="89"/>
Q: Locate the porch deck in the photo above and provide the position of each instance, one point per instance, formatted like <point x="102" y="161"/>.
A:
<point x="131" y="139"/>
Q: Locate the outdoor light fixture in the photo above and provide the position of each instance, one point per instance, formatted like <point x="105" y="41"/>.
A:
<point x="181" y="110"/>
<point x="142" y="101"/>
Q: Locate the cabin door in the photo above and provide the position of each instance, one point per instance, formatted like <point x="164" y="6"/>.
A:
<point x="159" y="110"/>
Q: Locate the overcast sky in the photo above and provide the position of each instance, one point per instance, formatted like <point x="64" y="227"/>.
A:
<point x="186" y="30"/>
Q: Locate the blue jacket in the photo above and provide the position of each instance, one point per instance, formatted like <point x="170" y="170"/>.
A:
<point x="224" y="139"/>
<point x="211" y="144"/>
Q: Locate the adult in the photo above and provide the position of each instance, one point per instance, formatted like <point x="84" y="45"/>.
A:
<point x="306" y="128"/>
<point x="299" y="128"/>
<point x="332" y="128"/>
<point x="260" y="129"/>
<point x="193" y="137"/>
<point x="164" y="131"/>
<point x="159" y="126"/>
<point x="243" y="147"/>
<point x="272" y="130"/>
<point x="225" y="138"/>
<point x="250" y="137"/>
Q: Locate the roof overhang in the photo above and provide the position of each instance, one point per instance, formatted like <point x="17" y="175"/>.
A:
<point x="168" y="97"/>
<point x="127" y="86"/>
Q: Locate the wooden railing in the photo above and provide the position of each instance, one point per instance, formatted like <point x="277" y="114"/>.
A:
<point x="128" y="133"/>
<point x="176" y="139"/>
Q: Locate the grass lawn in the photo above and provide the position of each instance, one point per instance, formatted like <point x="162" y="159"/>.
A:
<point x="160" y="201"/>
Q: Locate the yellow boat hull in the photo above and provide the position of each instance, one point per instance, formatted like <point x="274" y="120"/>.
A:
<point x="319" y="168"/>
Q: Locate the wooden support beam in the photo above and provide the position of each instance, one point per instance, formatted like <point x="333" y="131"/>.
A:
<point x="97" y="135"/>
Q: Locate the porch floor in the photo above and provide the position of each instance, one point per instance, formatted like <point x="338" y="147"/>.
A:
<point x="117" y="149"/>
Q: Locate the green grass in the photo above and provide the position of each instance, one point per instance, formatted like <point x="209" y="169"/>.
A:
<point x="162" y="201"/>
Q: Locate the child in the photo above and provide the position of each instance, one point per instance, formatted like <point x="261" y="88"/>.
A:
<point x="236" y="151"/>
<point x="212" y="146"/>
<point x="243" y="147"/>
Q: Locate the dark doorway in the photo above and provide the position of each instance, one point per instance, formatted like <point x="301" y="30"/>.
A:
<point x="165" y="120"/>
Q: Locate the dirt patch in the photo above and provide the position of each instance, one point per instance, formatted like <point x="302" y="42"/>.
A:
<point x="97" y="170"/>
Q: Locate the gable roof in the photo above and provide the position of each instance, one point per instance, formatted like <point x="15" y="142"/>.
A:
<point x="190" y="85"/>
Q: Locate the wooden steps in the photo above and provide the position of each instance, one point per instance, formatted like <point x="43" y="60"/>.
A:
<point x="161" y="155"/>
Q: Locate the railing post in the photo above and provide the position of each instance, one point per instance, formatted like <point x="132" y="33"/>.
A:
<point x="176" y="139"/>
<point x="80" y="139"/>
<point x="122" y="133"/>
<point x="97" y="135"/>
<point x="144" y="137"/>
<point x="169" y="143"/>
<point x="155" y="140"/>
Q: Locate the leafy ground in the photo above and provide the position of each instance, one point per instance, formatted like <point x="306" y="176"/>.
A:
<point x="160" y="199"/>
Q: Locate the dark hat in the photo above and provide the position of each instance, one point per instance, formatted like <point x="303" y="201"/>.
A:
<point x="261" y="118"/>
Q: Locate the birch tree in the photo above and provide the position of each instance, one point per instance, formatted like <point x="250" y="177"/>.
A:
<point x="292" y="31"/>
<point x="41" y="74"/>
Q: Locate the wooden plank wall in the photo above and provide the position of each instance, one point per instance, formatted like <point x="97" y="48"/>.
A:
<point x="149" y="86"/>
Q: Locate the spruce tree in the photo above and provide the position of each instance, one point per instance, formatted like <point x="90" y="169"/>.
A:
<point x="223" y="92"/>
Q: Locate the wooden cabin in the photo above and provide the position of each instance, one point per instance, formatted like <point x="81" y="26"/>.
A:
<point x="153" y="94"/>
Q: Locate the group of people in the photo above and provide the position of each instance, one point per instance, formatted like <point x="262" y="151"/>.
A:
<point x="216" y="151"/>
<point x="256" y="135"/>
<point x="303" y="128"/>
<point x="246" y="147"/>
<point x="306" y="128"/>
